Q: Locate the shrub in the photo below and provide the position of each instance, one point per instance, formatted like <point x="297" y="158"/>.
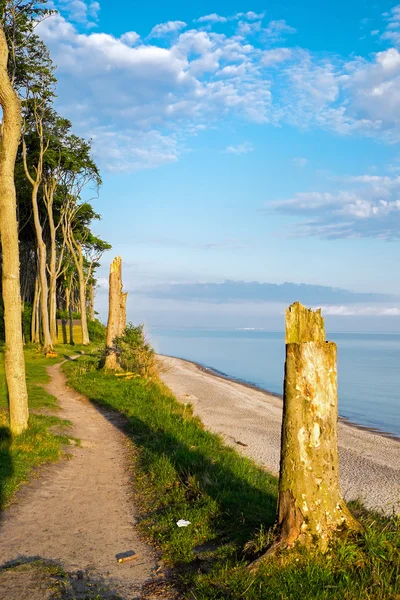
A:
<point x="135" y="353"/>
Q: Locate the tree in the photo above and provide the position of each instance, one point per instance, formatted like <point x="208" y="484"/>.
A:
<point x="38" y="119"/>
<point x="310" y="507"/>
<point x="14" y="355"/>
<point x="116" y="314"/>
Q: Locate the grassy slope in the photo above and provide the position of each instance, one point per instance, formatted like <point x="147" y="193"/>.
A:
<point x="185" y="472"/>
<point x="38" y="445"/>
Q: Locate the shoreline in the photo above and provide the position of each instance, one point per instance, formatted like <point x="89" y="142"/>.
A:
<point x="250" y="420"/>
<point x="221" y="375"/>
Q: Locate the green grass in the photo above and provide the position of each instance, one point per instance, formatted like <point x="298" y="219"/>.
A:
<point x="43" y="441"/>
<point x="182" y="471"/>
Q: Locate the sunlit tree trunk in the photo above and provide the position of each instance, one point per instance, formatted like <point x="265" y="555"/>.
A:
<point x="14" y="352"/>
<point x="91" y="302"/>
<point x="115" y="318"/>
<point x="82" y="302"/>
<point x="311" y="506"/>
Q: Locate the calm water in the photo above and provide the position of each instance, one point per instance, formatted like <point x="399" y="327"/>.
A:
<point x="368" y="366"/>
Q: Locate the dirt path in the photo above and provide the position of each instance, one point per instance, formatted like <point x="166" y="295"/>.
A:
<point x="250" y="420"/>
<point x="79" y="513"/>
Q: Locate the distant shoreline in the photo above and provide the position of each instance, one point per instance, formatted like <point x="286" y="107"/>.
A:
<point x="220" y="374"/>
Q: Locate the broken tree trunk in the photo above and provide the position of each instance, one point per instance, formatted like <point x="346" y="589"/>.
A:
<point x="116" y="313"/>
<point x="310" y="506"/>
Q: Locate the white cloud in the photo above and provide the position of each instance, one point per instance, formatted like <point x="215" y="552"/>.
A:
<point x="166" y="28"/>
<point x="252" y="16"/>
<point x="276" y="30"/>
<point x="276" y="56"/>
<point x="130" y="38"/>
<point x="243" y="148"/>
<point x="83" y="12"/>
<point x="299" y="162"/>
<point x="213" y="18"/>
<point x="131" y="150"/>
<point x="370" y="208"/>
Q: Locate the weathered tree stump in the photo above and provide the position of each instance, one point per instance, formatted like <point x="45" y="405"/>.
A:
<point x="310" y="505"/>
<point x="116" y="314"/>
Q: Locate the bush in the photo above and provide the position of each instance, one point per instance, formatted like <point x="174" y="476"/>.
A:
<point x="97" y="331"/>
<point x="135" y="354"/>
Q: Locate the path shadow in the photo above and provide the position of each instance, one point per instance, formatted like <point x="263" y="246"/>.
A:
<point x="37" y="578"/>
<point x="6" y="465"/>
<point x="242" y="507"/>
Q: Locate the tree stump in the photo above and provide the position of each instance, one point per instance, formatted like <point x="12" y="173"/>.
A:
<point x="310" y="507"/>
<point x="116" y="314"/>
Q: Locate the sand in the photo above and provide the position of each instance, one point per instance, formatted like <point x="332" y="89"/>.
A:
<point x="249" y="419"/>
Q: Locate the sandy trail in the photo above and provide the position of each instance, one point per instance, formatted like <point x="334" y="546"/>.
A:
<point x="79" y="512"/>
<point x="369" y="462"/>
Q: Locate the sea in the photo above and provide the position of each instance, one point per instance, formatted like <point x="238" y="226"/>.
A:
<point x="368" y="366"/>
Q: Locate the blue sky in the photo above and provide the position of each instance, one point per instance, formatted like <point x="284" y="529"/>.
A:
<point x="241" y="142"/>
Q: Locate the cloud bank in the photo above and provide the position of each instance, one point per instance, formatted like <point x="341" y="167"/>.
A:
<point x="242" y="291"/>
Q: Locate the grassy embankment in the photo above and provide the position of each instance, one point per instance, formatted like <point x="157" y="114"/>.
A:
<point x="182" y="471"/>
<point x="44" y="440"/>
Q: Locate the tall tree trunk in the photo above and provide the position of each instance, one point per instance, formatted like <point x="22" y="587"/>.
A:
<point x="52" y="273"/>
<point x="82" y="302"/>
<point x="14" y="353"/>
<point x="35" y="326"/>
<point x="53" y="308"/>
<point x="311" y="507"/>
<point x="68" y="308"/>
<point x="91" y="302"/>
<point x="44" y="289"/>
<point x="54" y="266"/>
<point x="114" y="313"/>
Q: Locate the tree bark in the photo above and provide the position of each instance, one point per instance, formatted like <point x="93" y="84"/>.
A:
<point x="114" y="313"/>
<point x="54" y="266"/>
<point x="44" y="288"/>
<point x="122" y="315"/>
<point x="82" y="302"/>
<point x="35" y="327"/>
<point x="91" y="302"/>
<point x="311" y="506"/>
<point x="14" y="352"/>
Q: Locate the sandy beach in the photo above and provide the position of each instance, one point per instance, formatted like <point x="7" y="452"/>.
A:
<point x="249" y="419"/>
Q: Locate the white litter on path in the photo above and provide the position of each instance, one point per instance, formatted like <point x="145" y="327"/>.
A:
<point x="182" y="523"/>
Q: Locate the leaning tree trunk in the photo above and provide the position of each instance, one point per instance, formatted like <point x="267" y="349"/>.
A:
<point x="311" y="507"/>
<point x="116" y="313"/>
<point x="14" y="353"/>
